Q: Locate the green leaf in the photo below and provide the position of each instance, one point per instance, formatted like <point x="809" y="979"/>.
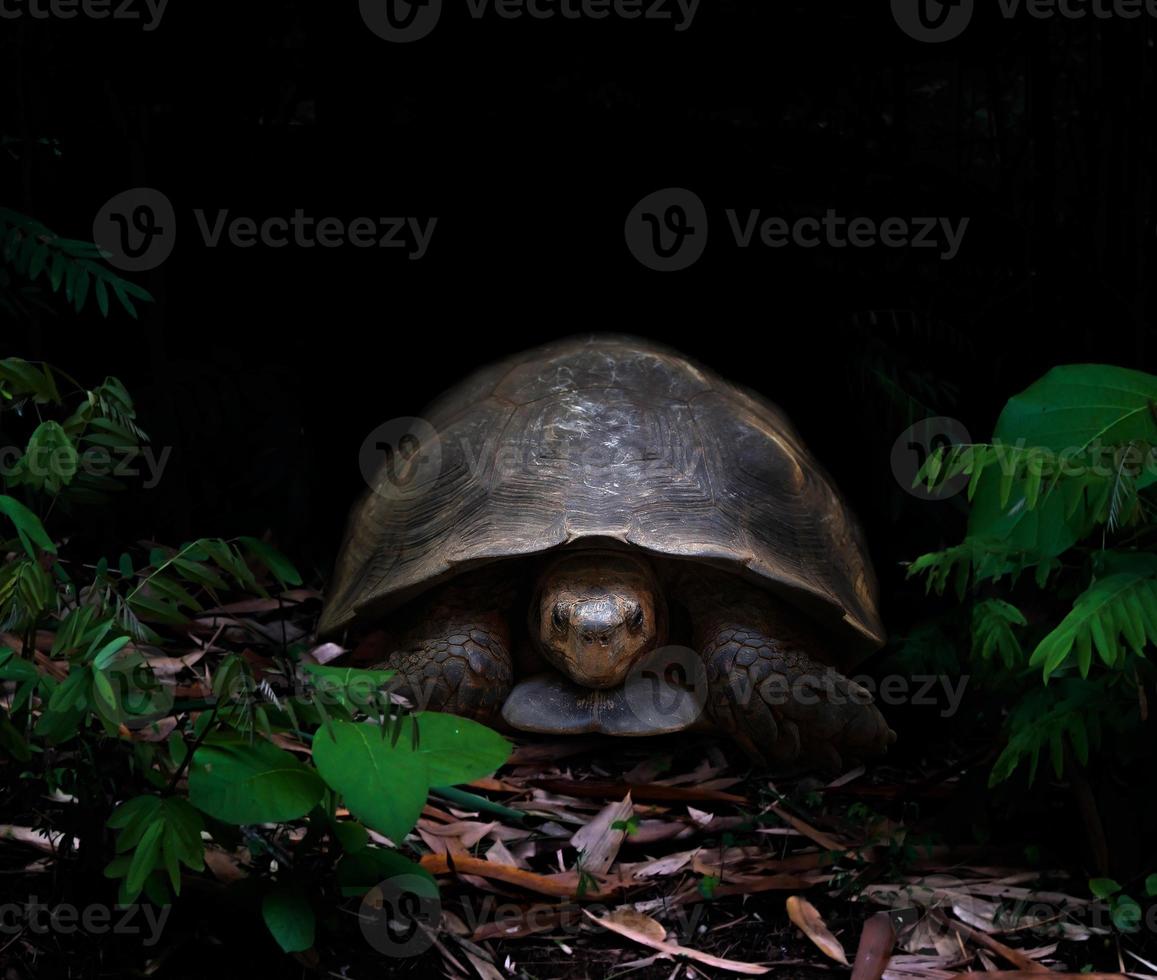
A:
<point x="12" y="740"/>
<point x="1125" y="913"/>
<point x="352" y="687"/>
<point x="242" y="783"/>
<point x="27" y="522"/>
<point x="1111" y="606"/>
<point x="352" y="836"/>
<point x="1151" y="886"/>
<point x="103" y="689"/>
<point x="49" y="462"/>
<point x="1103" y="887"/>
<point x="1078" y="405"/>
<point x="144" y="859"/>
<point x="109" y="652"/>
<point x="153" y="611"/>
<point x="70" y="693"/>
<point x="457" y="750"/>
<point x="383" y="784"/>
<point x="272" y="559"/>
<point x="14" y="668"/>
<point x="357" y="873"/>
<point x="1043" y="531"/>
<point x="290" y="918"/>
<point x="992" y="631"/>
<point x="142" y="808"/>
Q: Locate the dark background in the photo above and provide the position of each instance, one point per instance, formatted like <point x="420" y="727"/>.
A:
<point x="264" y="369"/>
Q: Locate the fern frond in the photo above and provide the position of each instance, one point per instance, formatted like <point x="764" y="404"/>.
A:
<point x="1122" y="605"/>
<point x="31" y="249"/>
<point x="977" y="560"/>
<point x="1046" y="718"/>
<point x="992" y="631"/>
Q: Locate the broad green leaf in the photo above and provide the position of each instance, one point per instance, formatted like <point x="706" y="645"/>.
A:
<point x="1077" y="405"/>
<point x="383" y="784"/>
<point x="242" y="783"/>
<point x="457" y="750"/>
<point x="1043" y="531"/>
<point x="290" y="918"/>
<point x="351" y="687"/>
<point x="357" y="873"/>
<point x="1103" y="887"/>
<point x="352" y="836"/>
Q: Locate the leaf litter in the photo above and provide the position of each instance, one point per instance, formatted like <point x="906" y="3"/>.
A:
<point x="670" y="857"/>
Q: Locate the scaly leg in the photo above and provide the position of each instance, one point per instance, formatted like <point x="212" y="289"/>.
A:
<point x="454" y="655"/>
<point x="768" y="685"/>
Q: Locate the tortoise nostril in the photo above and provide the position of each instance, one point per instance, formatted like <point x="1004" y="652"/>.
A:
<point x="596" y="620"/>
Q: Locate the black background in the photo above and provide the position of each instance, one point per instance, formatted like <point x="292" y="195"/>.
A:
<point x="531" y="140"/>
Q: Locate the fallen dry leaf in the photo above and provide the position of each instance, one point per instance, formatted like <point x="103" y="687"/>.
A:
<point x="807" y="917"/>
<point x="637" y="921"/>
<point x="674" y="949"/>
<point x="564" y="885"/>
<point x="599" y="841"/>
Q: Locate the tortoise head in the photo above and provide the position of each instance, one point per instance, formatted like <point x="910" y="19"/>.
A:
<point x="595" y="613"/>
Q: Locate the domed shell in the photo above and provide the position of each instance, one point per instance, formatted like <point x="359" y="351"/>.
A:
<point x="604" y="438"/>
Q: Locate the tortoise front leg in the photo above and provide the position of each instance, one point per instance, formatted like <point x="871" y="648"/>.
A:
<point x="770" y="692"/>
<point x="455" y="656"/>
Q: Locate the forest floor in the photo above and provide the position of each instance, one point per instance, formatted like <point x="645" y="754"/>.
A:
<point x="650" y="858"/>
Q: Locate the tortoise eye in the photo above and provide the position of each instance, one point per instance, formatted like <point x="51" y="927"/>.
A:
<point x="635" y="620"/>
<point x="558" y="617"/>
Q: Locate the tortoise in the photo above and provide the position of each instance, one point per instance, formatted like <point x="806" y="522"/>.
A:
<point x="600" y="535"/>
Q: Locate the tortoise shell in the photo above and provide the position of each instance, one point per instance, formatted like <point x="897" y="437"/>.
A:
<point x="605" y="439"/>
